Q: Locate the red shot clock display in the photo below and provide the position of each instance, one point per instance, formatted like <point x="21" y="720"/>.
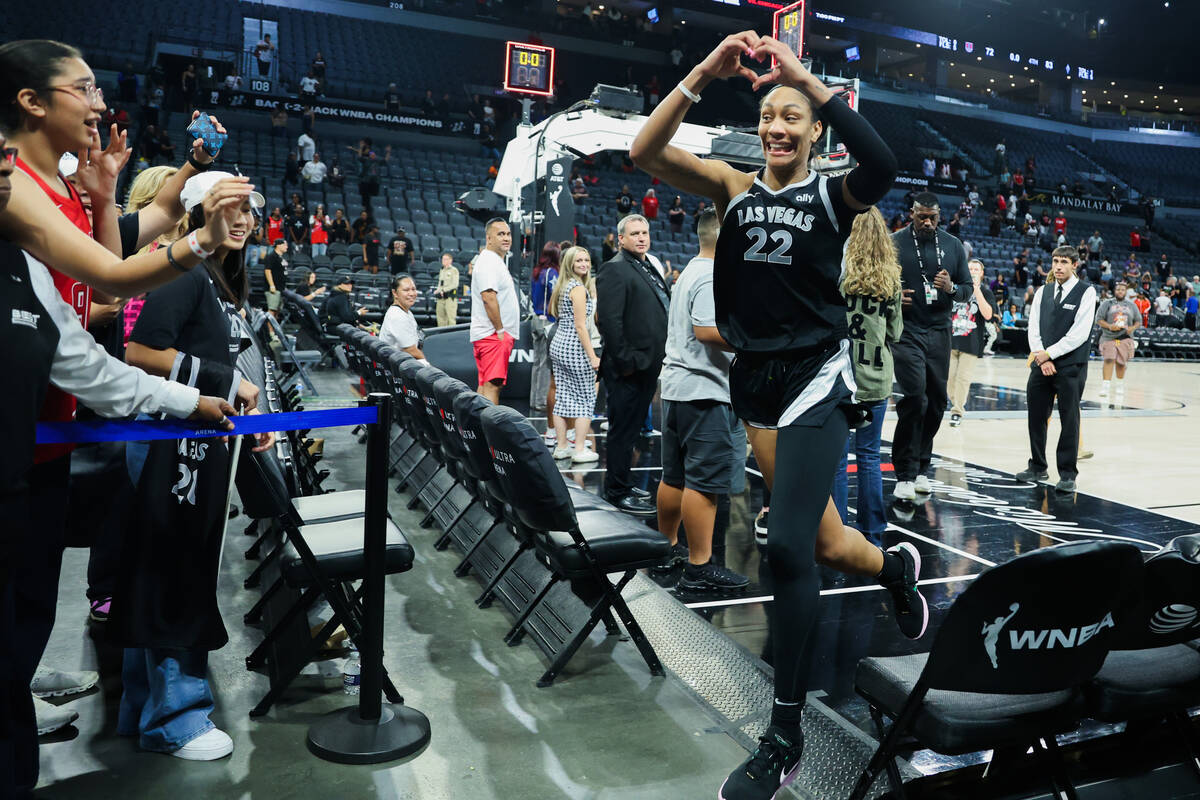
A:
<point x="529" y="69"/>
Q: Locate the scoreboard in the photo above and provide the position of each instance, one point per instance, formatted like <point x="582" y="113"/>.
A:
<point x="529" y="69"/>
<point x="789" y="28"/>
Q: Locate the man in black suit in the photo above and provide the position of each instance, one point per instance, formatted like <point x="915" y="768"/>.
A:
<point x="632" y="301"/>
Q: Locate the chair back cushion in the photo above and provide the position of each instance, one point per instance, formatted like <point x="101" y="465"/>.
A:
<point x="445" y="391"/>
<point x="1170" y="610"/>
<point x="468" y="414"/>
<point x="425" y="377"/>
<point x="407" y="371"/>
<point x="1041" y="622"/>
<point x="262" y="486"/>
<point x="524" y="467"/>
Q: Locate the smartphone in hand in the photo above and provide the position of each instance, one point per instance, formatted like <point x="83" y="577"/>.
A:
<point x="202" y="128"/>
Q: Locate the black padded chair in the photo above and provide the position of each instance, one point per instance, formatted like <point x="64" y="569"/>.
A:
<point x="317" y="559"/>
<point x="310" y="328"/>
<point x="419" y="380"/>
<point x="1009" y="662"/>
<point x="435" y="428"/>
<point x="417" y="462"/>
<point x="582" y="548"/>
<point x="1153" y="671"/>
<point x="444" y="390"/>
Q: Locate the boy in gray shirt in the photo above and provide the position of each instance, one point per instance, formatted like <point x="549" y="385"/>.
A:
<point x="701" y="436"/>
<point x="1118" y="318"/>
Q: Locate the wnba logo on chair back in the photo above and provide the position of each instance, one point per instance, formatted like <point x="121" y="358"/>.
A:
<point x="1037" y="638"/>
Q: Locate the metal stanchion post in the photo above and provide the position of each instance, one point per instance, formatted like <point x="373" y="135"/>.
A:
<point x="372" y="732"/>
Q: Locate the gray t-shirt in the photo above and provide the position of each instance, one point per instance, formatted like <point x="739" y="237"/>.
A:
<point x="693" y="370"/>
<point x="1117" y="312"/>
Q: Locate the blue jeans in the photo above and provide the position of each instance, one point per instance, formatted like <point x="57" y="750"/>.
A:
<point x="167" y="698"/>
<point x="872" y="513"/>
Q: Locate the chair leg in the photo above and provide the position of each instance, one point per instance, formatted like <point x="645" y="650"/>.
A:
<point x="416" y="498"/>
<point x="429" y="514"/>
<point x="631" y="625"/>
<point x="517" y="632"/>
<point x="403" y="483"/>
<point x="254" y="615"/>
<point x="610" y="624"/>
<point x="255" y="550"/>
<point x="893" y="771"/>
<point x="1060" y="782"/>
<point x="565" y="655"/>
<point x="464" y="566"/>
<point x="885" y="752"/>
<point x="255" y="577"/>
<point x="444" y="541"/>
<point x="485" y="598"/>
<point x="258" y="656"/>
<point x="1183" y="724"/>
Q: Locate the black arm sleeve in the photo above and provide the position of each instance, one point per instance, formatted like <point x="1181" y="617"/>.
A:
<point x="877" y="165"/>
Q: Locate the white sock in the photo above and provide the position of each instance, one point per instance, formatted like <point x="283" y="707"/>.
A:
<point x="1105" y="385"/>
<point x="1120" y="384"/>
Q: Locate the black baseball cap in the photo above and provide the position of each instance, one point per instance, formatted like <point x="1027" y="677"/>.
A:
<point x="345" y="277"/>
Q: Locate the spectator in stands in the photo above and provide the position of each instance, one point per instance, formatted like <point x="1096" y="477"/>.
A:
<point x="391" y="98"/>
<point x="579" y="191"/>
<point x="1177" y="290"/>
<point x="166" y="148"/>
<point x="1000" y="162"/>
<point x="368" y="170"/>
<point x="1095" y="245"/>
<point x="1011" y="315"/>
<point x="967" y="339"/>
<point x="995" y="222"/>
<point x="1118" y="318"/>
<point x="1082" y="249"/>
<point x="632" y="302"/>
<point x="896" y="222"/>
<point x="573" y="359"/>
<point x="609" y="247"/>
<point x="1163" y="268"/>
<point x="275" y="269"/>
<point x="1147" y="283"/>
<point x="1143" y="305"/>
<point x="1106" y="273"/>
<point x="1060" y="224"/>
<point x="446" y="292"/>
<point x="999" y="290"/>
<point x="402" y="255"/>
<point x="127" y="84"/>
<point x="318" y="227"/>
<point x="279" y="119"/>
<point x="336" y="176"/>
<point x="1133" y="269"/>
<point x="1135" y="240"/>
<point x="370" y="249"/>
<point x="189" y="87"/>
<point x="973" y="197"/>
<point x="305" y="147"/>
<point x="167" y="699"/>
<point x="399" y="328"/>
<point x="1010" y="211"/>
<point x="1162" y="309"/>
<point x="275" y="230"/>
<point x="495" y="310"/>
<point x="308" y="87"/>
<point x="928" y="166"/>
<point x="1189" y="309"/>
<point x="339" y="228"/>
<point x="545" y="273"/>
<point x="296" y="223"/>
<point x="314" y="171"/>
<point x="231" y="85"/>
<point x="306" y="285"/>
<point x="676" y="215"/>
<point x="360" y="226"/>
<point x="429" y="103"/>
<point x="954" y="227"/>
<point x="650" y="205"/>
<point x="339" y="308"/>
<point x="264" y="52"/>
<point x="700" y="207"/>
<point x="489" y="112"/>
<point x="624" y="202"/>
<point x="934" y="269"/>
<point x="317" y="67"/>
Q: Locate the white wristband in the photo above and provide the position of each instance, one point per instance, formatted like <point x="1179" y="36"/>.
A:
<point x="688" y="93"/>
<point x="194" y="243"/>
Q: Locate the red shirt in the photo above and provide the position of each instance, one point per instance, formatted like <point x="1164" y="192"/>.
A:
<point x="1135" y="240"/>
<point x="650" y="207"/>
<point x="58" y="405"/>
<point x="274" y="229"/>
<point x="1060" y="225"/>
<point x="319" y="234"/>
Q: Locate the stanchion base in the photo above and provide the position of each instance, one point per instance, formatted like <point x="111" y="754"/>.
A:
<point x="346" y="738"/>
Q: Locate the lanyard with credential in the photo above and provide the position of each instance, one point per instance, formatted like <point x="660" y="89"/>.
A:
<point x="930" y="293"/>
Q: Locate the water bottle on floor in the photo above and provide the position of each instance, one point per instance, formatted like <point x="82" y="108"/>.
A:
<point x="352" y="674"/>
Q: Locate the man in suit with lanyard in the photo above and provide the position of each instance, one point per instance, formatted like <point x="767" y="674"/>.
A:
<point x="933" y="276"/>
<point x="1060" y="328"/>
<point x="632" y="300"/>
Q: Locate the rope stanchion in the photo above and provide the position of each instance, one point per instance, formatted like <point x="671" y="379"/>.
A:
<point x="150" y="429"/>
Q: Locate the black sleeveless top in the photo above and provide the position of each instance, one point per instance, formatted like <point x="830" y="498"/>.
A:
<point x="778" y="265"/>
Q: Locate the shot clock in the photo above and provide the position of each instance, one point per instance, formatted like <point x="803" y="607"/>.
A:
<point x="789" y="28"/>
<point x="529" y="69"/>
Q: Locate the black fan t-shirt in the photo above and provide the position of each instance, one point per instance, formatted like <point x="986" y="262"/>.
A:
<point x="967" y="333"/>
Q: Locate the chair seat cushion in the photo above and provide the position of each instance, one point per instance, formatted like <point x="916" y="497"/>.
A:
<point x="954" y="723"/>
<point x="337" y="547"/>
<point x="584" y="500"/>
<point x="331" y="506"/>
<point x="1139" y="683"/>
<point x="618" y="542"/>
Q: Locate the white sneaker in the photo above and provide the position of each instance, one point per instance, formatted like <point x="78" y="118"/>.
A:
<point x="604" y="425"/>
<point x="905" y="490"/>
<point x="549" y="438"/>
<point x="561" y="452"/>
<point x="51" y="717"/>
<point x="585" y="456"/>
<point x="921" y="484"/>
<point x="1104" y="385"/>
<point x="208" y="746"/>
<point x="49" y="682"/>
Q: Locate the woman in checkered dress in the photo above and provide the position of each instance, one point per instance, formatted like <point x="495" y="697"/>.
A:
<point x="572" y="357"/>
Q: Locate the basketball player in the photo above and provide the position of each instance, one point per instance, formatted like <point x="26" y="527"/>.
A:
<point x="778" y="306"/>
<point x="1118" y="318"/>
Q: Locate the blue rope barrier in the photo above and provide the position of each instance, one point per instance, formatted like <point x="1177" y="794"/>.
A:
<point x="148" y="430"/>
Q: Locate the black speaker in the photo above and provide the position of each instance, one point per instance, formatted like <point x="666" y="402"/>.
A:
<point x="481" y="204"/>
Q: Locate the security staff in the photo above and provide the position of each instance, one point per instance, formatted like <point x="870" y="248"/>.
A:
<point x="1060" y="327"/>
<point x="933" y="276"/>
<point x="447" y="292"/>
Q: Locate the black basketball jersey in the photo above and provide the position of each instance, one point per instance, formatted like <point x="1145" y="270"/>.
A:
<point x="778" y="265"/>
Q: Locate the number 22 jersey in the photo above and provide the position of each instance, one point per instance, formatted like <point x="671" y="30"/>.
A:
<point x="778" y="266"/>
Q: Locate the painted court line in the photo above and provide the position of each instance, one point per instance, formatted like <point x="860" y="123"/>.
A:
<point x="767" y="598"/>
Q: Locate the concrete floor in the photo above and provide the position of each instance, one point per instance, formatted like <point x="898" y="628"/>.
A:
<point x="606" y="729"/>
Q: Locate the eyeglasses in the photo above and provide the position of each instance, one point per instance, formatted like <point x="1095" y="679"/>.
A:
<point x="10" y="156"/>
<point x="92" y="93"/>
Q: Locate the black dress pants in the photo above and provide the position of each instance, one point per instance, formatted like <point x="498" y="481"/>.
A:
<point x="27" y="606"/>
<point x="922" y="366"/>
<point x="628" y="398"/>
<point x="1067" y="384"/>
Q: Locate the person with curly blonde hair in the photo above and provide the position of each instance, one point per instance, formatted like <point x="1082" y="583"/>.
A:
<point x="871" y="286"/>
